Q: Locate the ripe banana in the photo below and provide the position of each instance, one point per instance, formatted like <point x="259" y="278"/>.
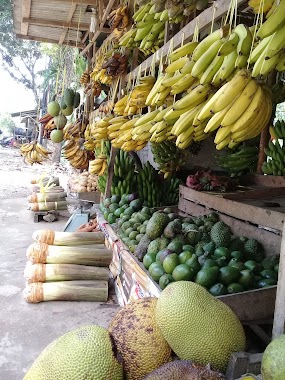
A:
<point x="274" y="21"/>
<point x="195" y="97"/>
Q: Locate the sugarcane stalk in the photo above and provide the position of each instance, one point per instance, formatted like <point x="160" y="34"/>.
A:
<point x="47" y="206"/>
<point x="67" y="291"/>
<point x="68" y="238"/>
<point x="52" y="254"/>
<point x="64" y="272"/>
<point x="40" y="197"/>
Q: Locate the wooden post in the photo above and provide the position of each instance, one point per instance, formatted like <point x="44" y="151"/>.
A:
<point x="110" y="172"/>
<point x="279" y="314"/>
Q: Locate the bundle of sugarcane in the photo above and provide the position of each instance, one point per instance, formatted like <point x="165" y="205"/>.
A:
<point x="70" y="266"/>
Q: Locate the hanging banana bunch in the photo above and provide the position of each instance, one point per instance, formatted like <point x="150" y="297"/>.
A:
<point x="76" y="154"/>
<point x="74" y="130"/>
<point x="34" y="153"/>
<point x="119" y="18"/>
<point x="263" y="6"/>
<point x="99" y="165"/>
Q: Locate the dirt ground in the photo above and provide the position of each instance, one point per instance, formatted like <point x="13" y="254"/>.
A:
<point x="26" y="329"/>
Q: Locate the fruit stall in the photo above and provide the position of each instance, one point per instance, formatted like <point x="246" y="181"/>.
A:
<point x="177" y="133"/>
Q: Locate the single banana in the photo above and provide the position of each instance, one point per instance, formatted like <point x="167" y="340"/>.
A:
<point x="227" y="68"/>
<point x="183" y="84"/>
<point x="241" y="61"/>
<point x="204" y="61"/>
<point x="206" y="43"/>
<point x="240" y="104"/>
<point x="186" y="49"/>
<point x="259" y="48"/>
<point x="251" y="111"/>
<point x="195" y="97"/>
<point x="222" y="134"/>
<point x="223" y="143"/>
<point x="176" y="65"/>
<point x="274" y="21"/>
<point x="245" y="39"/>
<point x="211" y="70"/>
<point x="269" y="65"/>
<point x="229" y="45"/>
<point x="216" y="120"/>
<point x="232" y="89"/>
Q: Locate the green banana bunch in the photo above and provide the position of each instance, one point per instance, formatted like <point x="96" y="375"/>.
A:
<point x="275" y="163"/>
<point x="147" y="186"/>
<point x="279" y="129"/>
<point x="170" y="195"/>
<point x="168" y="156"/>
<point x="123" y="178"/>
<point x="102" y="180"/>
<point x="240" y="161"/>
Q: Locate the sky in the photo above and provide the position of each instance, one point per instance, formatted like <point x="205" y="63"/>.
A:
<point x="13" y="96"/>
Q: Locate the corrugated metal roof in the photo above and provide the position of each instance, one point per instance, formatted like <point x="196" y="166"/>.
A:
<point x="55" y="21"/>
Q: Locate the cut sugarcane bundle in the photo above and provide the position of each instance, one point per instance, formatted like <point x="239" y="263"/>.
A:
<point x="68" y="238"/>
<point x="83" y="255"/>
<point x="49" y="197"/>
<point x="63" y="272"/>
<point x="47" y="206"/>
<point x="67" y="291"/>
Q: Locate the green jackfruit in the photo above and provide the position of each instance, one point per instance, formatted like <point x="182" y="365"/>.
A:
<point x="197" y="326"/>
<point x="53" y="108"/>
<point x="83" y="353"/>
<point x="273" y="364"/>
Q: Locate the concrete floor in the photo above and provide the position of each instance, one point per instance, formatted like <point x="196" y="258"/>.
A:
<point x="26" y="329"/>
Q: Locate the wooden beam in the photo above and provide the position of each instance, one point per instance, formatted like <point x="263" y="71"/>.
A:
<point x="97" y="33"/>
<point x="68" y="20"/>
<point x="60" y="24"/>
<point x="205" y="20"/>
<point x="26" y="10"/>
<point x="42" y="39"/>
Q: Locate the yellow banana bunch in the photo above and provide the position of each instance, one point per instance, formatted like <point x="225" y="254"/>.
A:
<point x="238" y="111"/>
<point x="34" y="153"/>
<point x="74" y="130"/>
<point x="120" y="106"/>
<point x="99" y="165"/>
<point x="76" y="154"/>
<point x="101" y="76"/>
<point x="261" y="6"/>
<point x="138" y="96"/>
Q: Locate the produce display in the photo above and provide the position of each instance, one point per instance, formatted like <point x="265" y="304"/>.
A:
<point x="203" y="250"/>
<point x="67" y="266"/>
<point x="143" y="338"/>
<point x="83" y="182"/>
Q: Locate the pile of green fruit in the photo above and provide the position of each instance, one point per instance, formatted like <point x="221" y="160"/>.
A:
<point x="203" y="250"/>
<point x="120" y="207"/>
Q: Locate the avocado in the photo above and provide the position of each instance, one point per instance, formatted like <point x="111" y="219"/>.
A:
<point x="207" y="277"/>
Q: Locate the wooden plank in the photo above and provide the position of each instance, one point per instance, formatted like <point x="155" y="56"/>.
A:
<point x="26" y="10"/>
<point x="49" y="40"/>
<point x="279" y="316"/>
<point x="60" y="24"/>
<point x="241" y="363"/>
<point x="68" y="20"/>
<point x="257" y="194"/>
<point x="263" y="180"/>
<point x="205" y="20"/>
<point x="249" y="213"/>
<point x="270" y="240"/>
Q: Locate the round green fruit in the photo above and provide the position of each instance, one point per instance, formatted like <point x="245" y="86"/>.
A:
<point x="56" y="136"/>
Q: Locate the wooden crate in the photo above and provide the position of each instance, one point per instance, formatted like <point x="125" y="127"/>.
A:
<point x="246" y="216"/>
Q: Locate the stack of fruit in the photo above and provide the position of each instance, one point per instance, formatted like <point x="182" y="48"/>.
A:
<point x="148" y="185"/>
<point x="119" y="18"/>
<point x="202" y="249"/>
<point x="34" y="153"/>
<point x="83" y="182"/>
<point x="67" y="266"/>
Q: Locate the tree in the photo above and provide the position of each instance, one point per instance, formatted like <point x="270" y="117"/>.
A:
<point x="7" y="124"/>
<point x="18" y="57"/>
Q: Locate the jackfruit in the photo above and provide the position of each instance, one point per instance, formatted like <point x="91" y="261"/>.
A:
<point x="273" y="364"/>
<point x="198" y="326"/>
<point x="53" y="108"/>
<point x="138" y="338"/>
<point x="221" y="234"/>
<point x="67" y="111"/>
<point x="254" y="250"/>
<point x="184" y="370"/>
<point x="83" y="353"/>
